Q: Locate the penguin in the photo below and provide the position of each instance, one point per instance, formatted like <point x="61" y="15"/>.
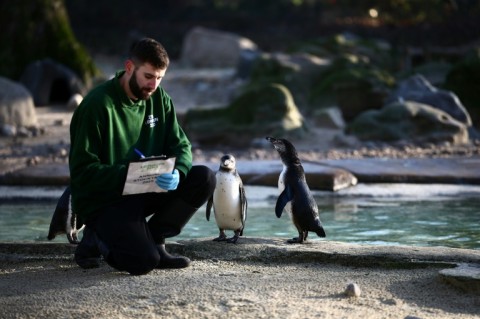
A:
<point x="228" y="200"/>
<point x="64" y="220"/>
<point x="295" y="195"/>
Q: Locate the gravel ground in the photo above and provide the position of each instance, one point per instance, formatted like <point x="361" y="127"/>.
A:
<point x="210" y="289"/>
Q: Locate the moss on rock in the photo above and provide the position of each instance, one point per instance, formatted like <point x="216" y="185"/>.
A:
<point x="35" y="30"/>
<point x="265" y="109"/>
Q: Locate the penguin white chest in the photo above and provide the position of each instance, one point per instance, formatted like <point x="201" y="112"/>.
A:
<point x="281" y="188"/>
<point x="226" y="202"/>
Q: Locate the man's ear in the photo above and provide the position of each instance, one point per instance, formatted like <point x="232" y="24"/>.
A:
<point x="129" y="66"/>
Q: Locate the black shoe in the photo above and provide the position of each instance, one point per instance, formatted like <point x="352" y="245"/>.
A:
<point x="87" y="255"/>
<point x="169" y="261"/>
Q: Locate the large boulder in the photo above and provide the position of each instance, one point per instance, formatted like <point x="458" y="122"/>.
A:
<point x="417" y="88"/>
<point x="408" y="121"/>
<point x="266" y="110"/>
<point x="51" y="82"/>
<point x="208" y="48"/>
<point x="16" y="107"/>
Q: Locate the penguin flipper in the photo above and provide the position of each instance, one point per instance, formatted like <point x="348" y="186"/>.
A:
<point x="283" y="199"/>
<point x="243" y="205"/>
<point x="59" y="220"/>
<point x="209" y="207"/>
<point x="57" y="225"/>
<point x="319" y="230"/>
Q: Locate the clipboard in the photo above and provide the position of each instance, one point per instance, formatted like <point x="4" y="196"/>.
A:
<point x="141" y="174"/>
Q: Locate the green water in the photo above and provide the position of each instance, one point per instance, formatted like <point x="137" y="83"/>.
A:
<point x="378" y="215"/>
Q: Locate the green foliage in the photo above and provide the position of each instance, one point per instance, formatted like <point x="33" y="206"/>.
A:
<point x="35" y="30"/>
<point x="349" y="46"/>
<point x="406" y="12"/>
<point x="349" y="71"/>
<point x="464" y="79"/>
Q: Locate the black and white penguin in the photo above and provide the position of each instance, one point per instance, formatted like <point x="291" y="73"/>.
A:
<point x="228" y="200"/>
<point x="64" y="220"/>
<point x="295" y="195"/>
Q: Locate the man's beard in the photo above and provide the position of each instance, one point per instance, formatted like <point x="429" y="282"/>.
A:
<point x="137" y="91"/>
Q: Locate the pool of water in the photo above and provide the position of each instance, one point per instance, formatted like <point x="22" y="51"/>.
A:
<point x="377" y="214"/>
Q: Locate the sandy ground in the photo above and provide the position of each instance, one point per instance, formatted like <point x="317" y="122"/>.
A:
<point x="211" y="289"/>
<point x="242" y="281"/>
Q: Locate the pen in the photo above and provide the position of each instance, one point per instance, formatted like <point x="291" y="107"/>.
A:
<point x="139" y="153"/>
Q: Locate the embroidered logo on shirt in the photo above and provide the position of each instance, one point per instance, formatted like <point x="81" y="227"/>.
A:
<point x="151" y="121"/>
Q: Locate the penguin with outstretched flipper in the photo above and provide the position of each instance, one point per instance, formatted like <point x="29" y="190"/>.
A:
<point x="295" y="195"/>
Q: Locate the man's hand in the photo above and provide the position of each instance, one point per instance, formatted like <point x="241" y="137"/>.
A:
<point x="168" y="181"/>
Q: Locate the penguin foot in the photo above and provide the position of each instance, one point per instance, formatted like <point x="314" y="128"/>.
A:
<point x="73" y="239"/>
<point x="296" y="240"/>
<point x="232" y="240"/>
<point x="220" y="238"/>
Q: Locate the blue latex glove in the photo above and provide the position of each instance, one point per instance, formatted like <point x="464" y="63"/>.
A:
<point x="168" y="181"/>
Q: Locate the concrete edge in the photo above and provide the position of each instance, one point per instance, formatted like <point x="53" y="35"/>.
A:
<point x="278" y="251"/>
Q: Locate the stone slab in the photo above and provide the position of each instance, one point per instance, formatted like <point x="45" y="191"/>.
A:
<point x="277" y="249"/>
<point x="456" y="170"/>
<point x="42" y="174"/>
<point x="322" y="175"/>
<point x="464" y="276"/>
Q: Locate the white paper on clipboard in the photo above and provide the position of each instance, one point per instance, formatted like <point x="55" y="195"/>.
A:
<point x="141" y="175"/>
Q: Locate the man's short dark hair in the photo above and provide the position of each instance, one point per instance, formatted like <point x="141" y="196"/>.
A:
<point x="148" y="50"/>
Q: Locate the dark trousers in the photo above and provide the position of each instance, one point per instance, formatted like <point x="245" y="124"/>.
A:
<point x="129" y="241"/>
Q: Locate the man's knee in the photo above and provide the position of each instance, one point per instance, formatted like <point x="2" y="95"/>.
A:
<point x="199" y="185"/>
<point x="202" y="174"/>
